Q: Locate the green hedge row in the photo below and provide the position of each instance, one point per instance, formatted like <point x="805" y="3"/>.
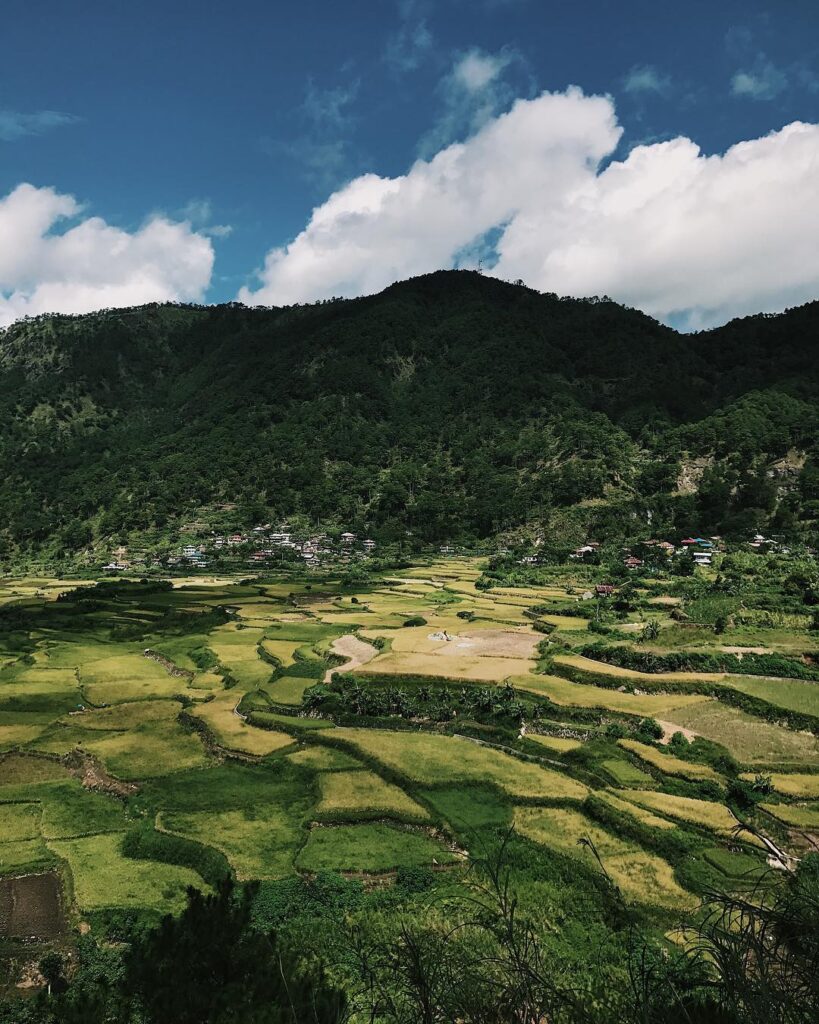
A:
<point x="796" y="720"/>
<point x="146" y="843"/>
<point x="699" y="661"/>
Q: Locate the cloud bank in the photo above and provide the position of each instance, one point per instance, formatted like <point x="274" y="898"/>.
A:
<point x="91" y="264"/>
<point x="689" y="238"/>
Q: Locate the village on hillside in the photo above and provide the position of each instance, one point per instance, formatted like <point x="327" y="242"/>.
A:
<point x="277" y="546"/>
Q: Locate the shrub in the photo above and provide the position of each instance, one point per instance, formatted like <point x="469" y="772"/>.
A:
<point x="416" y="620"/>
<point x="648" y="727"/>
<point x="742" y="794"/>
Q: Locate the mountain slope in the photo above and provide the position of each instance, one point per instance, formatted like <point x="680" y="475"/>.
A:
<point x="451" y="405"/>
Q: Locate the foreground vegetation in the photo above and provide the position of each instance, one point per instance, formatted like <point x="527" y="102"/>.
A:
<point x="494" y="815"/>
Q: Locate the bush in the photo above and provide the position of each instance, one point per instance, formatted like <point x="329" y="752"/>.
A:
<point x="414" y="879"/>
<point x="416" y="620"/>
<point x="679" y="743"/>
<point x="648" y="727"/>
<point x="742" y="794"/>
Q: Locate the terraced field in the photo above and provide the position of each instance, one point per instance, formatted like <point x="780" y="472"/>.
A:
<point x="147" y="734"/>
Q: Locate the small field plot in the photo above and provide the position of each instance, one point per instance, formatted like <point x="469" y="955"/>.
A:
<point x="643" y="877"/>
<point x="796" y="817"/>
<point x="363" y="794"/>
<point x="668" y="764"/>
<point x="259" y="841"/>
<point x="237" y="650"/>
<point x="281" y="650"/>
<point x="555" y="744"/>
<point x="31" y="907"/>
<point x="626" y="774"/>
<point x="254" y="814"/>
<point x="514" y="644"/>
<point x="127" y="677"/>
<point x="22" y="856"/>
<point x="104" y="878"/>
<point x="561" y="691"/>
<point x="207" y="682"/>
<point x="640" y="813"/>
<point x="323" y="759"/>
<point x="467" y="808"/>
<point x="289" y="689"/>
<point x="430" y="760"/>
<point x="38" y="690"/>
<point x="120" y="717"/>
<point x="22" y="769"/>
<point x="799" y="784"/>
<point x="150" y="749"/>
<point x="749" y="739"/>
<point x="179" y="649"/>
<point x="739" y="867"/>
<point x="306" y="631"/>
<point x="64" y="736"/>
<point x="370" y="848"/>
<point x="791" y="694"/>
<point x="454" y="666"/>
<point x="69" y="811"/>
<point x="567" y="623"/>
<point x="17" y="729"/>
<point x="704" y="813"/>
<point x="233" y="732"/>
<point x="272" y="720"/>
<point x="19" y="821"/>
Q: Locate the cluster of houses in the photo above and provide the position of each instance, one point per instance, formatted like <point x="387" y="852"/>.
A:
<point x="762" y="543"/>
<point x="266" y="544"/>
<point x="122" y="559"/>
<point x="702" y="550"/>
<point x="270" y="544"/>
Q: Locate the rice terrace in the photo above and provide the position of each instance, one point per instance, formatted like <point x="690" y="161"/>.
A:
<point x="384" y="731"/>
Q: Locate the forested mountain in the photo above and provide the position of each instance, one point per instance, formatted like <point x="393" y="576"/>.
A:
<point x="453" y="406"/>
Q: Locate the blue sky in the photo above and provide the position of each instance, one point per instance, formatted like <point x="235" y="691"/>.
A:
<point x="239" y="119"/>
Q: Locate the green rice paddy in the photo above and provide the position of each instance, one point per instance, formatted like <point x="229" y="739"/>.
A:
<point x="203" y="734"/>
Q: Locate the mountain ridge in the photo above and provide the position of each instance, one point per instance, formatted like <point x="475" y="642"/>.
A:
<point x="452" y="405"/>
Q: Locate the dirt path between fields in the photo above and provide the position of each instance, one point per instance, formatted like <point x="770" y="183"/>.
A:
<point x="356" y="651"/>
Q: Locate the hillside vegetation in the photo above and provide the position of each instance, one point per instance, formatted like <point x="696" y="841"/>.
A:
<point x="452" y="406"/>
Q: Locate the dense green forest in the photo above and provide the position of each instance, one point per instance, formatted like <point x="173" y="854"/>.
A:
<point x="452" y="406"/>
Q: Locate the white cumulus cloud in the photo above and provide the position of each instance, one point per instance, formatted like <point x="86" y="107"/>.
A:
<point x="686" y="237"/>
<point x="91" y="264"/>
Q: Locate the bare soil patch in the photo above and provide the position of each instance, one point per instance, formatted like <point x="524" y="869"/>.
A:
<point x="356" y="651"/>
<point x="669" y="728"/>
<point x="490" y="643"/>
<point x="93" y="775"/>
<point x="31" y="907"/>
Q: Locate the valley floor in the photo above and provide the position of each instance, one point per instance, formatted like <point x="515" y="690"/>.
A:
<point x="149" y="734"/>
